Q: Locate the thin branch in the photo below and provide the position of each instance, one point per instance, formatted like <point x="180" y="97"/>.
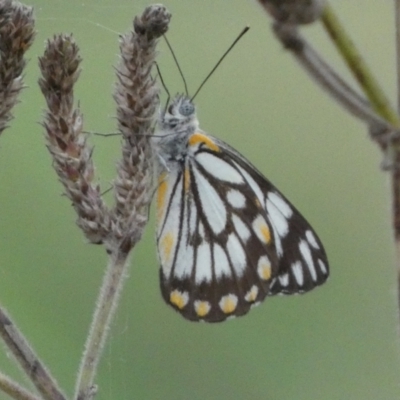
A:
<point x="397" y="27"/>
<point x="357" y="65"/>
<point x="395" y="173"/>
<point x="327" y="78"/>
<point x="14" y="390"/>
<point x="108" y="300"/>
<point x="28" y="360"/>
<point x="294" y="12"/>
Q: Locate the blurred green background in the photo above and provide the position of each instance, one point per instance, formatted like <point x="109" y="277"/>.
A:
<point x="338" y="342"/>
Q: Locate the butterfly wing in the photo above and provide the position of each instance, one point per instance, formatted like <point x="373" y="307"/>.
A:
<point x="227" y="238"/>
<point x="302" y="260"/>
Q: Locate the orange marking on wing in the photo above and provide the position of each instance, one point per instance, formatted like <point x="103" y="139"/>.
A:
<point x="178" y="299"/>
<point x="161" y="195"/>
<point x="264" y="268"/>
<point x="198" y="138"/>
<point x="202" y="308"/>
<point x="187" y="180"/>
<point x="228" y="303"/>
<point x="265" y="272"/>
<point x="266" y="233"/>
<point x="251" y="294"/>
<point x="167" y="242"/>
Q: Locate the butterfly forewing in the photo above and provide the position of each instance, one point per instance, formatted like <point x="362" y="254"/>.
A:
<point x="226" y="236"/>
<point x="302" y="261"/>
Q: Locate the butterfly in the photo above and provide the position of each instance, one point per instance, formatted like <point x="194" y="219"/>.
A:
<point x="226" y="237"/>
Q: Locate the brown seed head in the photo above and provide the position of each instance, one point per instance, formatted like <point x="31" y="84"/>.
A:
<point x="72" y="156"/>
<point x="136" y="95"/>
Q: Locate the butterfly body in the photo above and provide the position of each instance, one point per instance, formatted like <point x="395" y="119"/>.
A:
<point x="226" y="237"/>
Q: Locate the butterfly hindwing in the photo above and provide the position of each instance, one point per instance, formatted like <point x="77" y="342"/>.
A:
<point x="210" y="268"/>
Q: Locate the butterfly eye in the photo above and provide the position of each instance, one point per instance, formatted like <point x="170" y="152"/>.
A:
<point x="186" y="109"/>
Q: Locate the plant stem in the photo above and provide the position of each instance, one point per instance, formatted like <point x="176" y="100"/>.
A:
<point x="358" y="67"/>
<point x="395" y="173"/>
<point x="397" y="27"/>
<point x="326" y="77"/>
<point x="14" y="390"/>
<point x="28" y="360"/>
<point x="379" y="102"/>
<point x="106" y="305"/>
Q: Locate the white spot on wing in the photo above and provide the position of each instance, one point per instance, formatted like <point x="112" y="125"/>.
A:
<point x="298" y="273"/>
<point x="241" y="229"/>
<point x="184" y="261"/>
<point x="228" y="303"/>
<point x="211" y="203"/>
<point x="252" y="183"/>
<point x="306" y="253"/>
<point x="311" y="239"/>
<point x="278" y="242"/>
<point x="280" y="204"/>
<point x="185" y="253"/>
<point x="201" y="230"/>
<point x="235" y="198"/>
<point x="218" y="168"/>
<point x="261" y="229"/>
<point x="236" y="254"/>
<point x="284" y="280"/>
<point x="202" y="308"/>
<point x="264" y="268"/>
<point x="178" y="298"/>
<point x="221" y="263"/>
<point x="193" y="219"/>
<point x="251" y="295"/>
<point x="277" y="219"/>
<point x="323" y="268"/>
<point x="203" y="263"/>
<point x="172" y="222"/>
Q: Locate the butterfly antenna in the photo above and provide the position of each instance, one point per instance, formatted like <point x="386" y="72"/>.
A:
<point x="164" y="86"/>
<point x="177" y="64"/>
<point x="220" y="60"/>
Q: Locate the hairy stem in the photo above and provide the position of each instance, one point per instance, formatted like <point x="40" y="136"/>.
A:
<point x="28" y="360"/>
<point x="14" y="390"/>
<point x="106" y="304"/>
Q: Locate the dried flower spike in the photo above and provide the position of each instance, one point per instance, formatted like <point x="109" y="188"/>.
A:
<point x="136" y="95"/>
<point x="72" y="156"/>
<point x="16" y="36"/>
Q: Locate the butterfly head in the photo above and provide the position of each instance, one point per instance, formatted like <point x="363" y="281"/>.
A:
<point x="179" y="117"/>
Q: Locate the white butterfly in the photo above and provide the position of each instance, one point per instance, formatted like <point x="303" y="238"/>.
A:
<point x="226" y="236"/>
